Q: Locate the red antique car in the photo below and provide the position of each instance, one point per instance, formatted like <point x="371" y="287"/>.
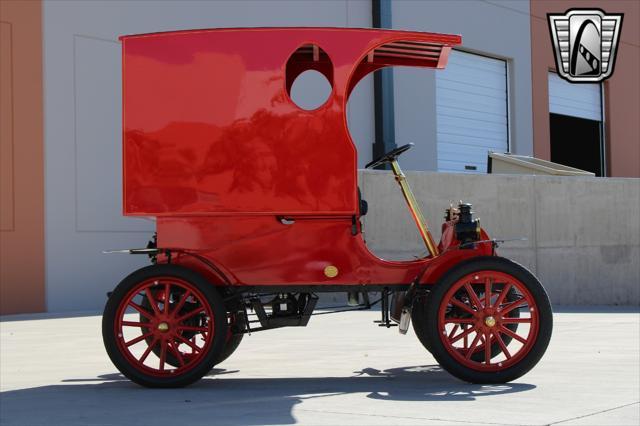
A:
<point x="258" y="210"/>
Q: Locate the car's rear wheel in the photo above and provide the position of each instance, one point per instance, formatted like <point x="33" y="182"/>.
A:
<point x="235" y="320"/>
<point x="141" y="337"/>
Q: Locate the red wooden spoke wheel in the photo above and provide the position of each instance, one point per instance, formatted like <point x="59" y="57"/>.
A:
<point x="488" y="320"/>
<point x="483" y="314"/>
<point x="478" y="354"/>
<point x="164" y="329"/>
<point x="164" y="326"/>
<point x="235" y="320"/>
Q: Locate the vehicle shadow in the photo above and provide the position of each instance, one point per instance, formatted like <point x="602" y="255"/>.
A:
<point x="221" y="398"/>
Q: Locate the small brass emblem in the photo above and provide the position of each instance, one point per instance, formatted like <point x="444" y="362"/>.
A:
<point x="331" y="271"/>
<point x="490" y="321"/>
<point x="163" y="326"/>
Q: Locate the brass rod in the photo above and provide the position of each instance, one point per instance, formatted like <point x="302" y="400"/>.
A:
<point x="414" y="208"/>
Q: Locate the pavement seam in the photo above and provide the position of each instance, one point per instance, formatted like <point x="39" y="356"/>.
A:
<point x="407" y="417"/>
<point x="593" y="414"/>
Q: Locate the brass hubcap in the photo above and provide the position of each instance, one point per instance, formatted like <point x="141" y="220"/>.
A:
<point x="163" y="326"/>
<point x="490" y="321"/>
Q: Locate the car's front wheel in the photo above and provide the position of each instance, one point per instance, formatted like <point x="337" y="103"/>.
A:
<point x="485" y="292"/>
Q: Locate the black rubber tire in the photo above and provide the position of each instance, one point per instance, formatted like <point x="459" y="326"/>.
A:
<point x="233" y="342"/>
<point x="230" y="347"/>
<point x="419" y="318"/>
<point x="212" y="298"/>
<point x="429" y="329"/>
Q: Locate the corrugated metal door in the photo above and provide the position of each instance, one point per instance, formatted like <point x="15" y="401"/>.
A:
<point x="575" y="100"/>
<point x="471" y="107"/>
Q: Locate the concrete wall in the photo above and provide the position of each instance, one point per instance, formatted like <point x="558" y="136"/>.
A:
<point x="83" y="124"/>
<point x="499" y="29"/>
<point x="583" y="234"/>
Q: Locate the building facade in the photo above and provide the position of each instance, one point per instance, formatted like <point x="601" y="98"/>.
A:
<point x="61" y="115"/>
<point x="612" y="107"/>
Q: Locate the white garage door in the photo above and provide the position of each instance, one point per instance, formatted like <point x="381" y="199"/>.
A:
<point x="576" y="100"/>
<point x="471" y="107"/>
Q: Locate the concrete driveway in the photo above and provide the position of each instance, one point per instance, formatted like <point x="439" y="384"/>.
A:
<point x="341" y="369"/>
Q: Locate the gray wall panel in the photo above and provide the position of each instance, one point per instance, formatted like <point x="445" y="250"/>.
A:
<point x="82" y="124"/>
<point x="97" y="124"/>
<point x="415" y="115"/>
<point x="360" y="116"/>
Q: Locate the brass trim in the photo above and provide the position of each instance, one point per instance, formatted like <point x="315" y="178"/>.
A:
<point x="331" y="271"/>
<point x="414" y="208"/>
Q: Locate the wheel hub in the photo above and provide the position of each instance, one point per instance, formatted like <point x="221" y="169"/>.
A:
<point x="163" y="327"/>
<point x="490" y="321"/>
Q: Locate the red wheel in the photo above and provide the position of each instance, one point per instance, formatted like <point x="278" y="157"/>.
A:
<point x="418" y="319"/>
<point x="164" y="326"/>
<point x="488" y="321"/>
<point x="483" y="314"/>
<point x="235" y="320"/>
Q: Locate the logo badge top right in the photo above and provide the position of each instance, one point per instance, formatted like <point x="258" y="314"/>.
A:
<point x="585" y="42"/>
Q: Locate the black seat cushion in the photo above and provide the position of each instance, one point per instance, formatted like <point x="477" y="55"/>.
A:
<point x="363" y="206"/>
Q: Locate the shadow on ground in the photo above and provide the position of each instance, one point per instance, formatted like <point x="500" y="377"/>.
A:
<point x="222" y="398"/>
